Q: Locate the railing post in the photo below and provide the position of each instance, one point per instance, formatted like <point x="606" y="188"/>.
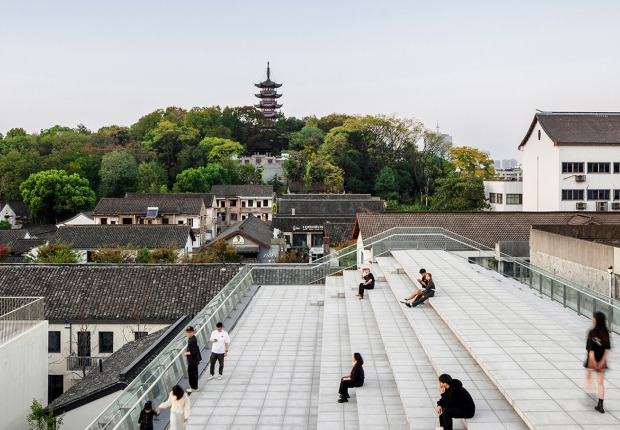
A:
<point x="564" y="294"/>
<point x="578" y="302"/>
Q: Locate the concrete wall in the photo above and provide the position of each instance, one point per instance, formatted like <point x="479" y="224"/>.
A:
<point x="80" y="418"/>
<point x="23" y="376"/>
<point x="580" y="261"/>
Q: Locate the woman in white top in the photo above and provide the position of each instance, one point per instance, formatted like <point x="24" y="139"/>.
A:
<point x="179" y="404"/>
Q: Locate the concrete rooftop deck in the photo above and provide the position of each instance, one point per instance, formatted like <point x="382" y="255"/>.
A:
<point x="519" y="354"/>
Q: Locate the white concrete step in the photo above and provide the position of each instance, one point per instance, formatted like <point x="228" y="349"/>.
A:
<point x="379" y="405"/>
<point x="335" y="353"/>
<point x="446" y="354"/>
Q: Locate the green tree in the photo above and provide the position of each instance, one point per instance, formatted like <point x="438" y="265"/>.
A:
<point x="220" y="150"/>
<point x="38" y="419"/>
<point x="246" y="174"/>
<point x="143" y="256"/>
<point x="386" y="185"/>
<point x="52" y="195"/>
<point x="56" y="252"/>
<point x="151" y="177"/>
<point x="165" y="255"/>
<point x="201" y="179"/>
<point x="473" y="162"/>
<point x="459" y="193"/>
<point x="5" y="225"/>
<point x="119" y="173"/>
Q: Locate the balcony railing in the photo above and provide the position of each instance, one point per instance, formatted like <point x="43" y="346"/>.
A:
<point x="84" y="363"/>
<point x="168" y="368"/>
<point x="19" y="314"/>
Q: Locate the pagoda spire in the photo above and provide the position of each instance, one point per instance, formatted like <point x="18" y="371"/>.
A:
<point x="268" y="96"/>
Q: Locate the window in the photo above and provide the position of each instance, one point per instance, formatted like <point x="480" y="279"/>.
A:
<point x="165" y="221"/>
<point x="514" y="199"/>
<point x="244" y="203"/>
<point x="598" y="194"/>
<point x="538" y="134"/>
<point x="106" y="341"/>
<point x="127" y="220"/>
<point x="83" y="343"/>
<point x="572" y="194"/>
<point x="242" y="217"/>
<point x="300" y="240"/>
<point x="54" y="387"/>
<point x="233" y="203"/>
<point x="103" y="221"/>
<point x="250" y="203"/>
<point x="233" y="217"/>
<point x="247" y="161"/>
<point x="317" y="239"/>
<point x="140" y="334"/>
<point x="598" y="167"/>
<point x="500" y="198"/>
<point x="616" y="167"/>
<point x="258" y="203"/>
<point x="190" y="222"/>
<point x="112" y="222"/>
<point x="180" y="222"/>
<point x="572" y="167"/>
<point x="265" y="203"/>
<point x="492" y="198"/>
<point x="222" y="203"/>
<point x="616" y="194"/>
<point x="53" y="341"/>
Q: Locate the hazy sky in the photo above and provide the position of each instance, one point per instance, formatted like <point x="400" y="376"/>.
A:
<point x="480" y="68"/>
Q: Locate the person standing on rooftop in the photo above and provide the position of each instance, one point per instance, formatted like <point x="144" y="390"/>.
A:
<point x="598" y="346"/>
<point x="193" y="359"/>
<point x="219" y="349"/>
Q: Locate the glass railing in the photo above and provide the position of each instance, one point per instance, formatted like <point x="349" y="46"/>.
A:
<point x="19" y="314"/>
<point x="155" y="382"/>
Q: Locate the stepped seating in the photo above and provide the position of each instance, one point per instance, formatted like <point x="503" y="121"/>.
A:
<point x="513" y="336"/>
<point x="447" y="355"/>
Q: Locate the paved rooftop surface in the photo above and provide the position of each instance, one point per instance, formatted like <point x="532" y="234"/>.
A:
<point x="519" y="354"/>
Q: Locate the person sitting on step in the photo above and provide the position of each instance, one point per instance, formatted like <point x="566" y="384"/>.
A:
<point x="455" y="401"/>
<point x="420" y="296"/>
<point x="368" y="284"/>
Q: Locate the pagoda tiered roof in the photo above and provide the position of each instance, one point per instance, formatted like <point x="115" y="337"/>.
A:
<point x="268" y="83"/>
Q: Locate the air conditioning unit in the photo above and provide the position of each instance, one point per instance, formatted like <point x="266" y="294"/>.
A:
<point x="580" y="178"/>
<point x="601" y="206"/>
<point x="581" y="205"/>
<point x="615" y="205"/>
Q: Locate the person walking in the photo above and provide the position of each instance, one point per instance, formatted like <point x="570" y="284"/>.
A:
<point x="178" y="402"/>
<point x="193" y="359"/>
<point x="219" y="349"/>
<point x="455" y="401"/>
<point x="368" y="284"/>
<point x="353" y="379"/>
<point x="598" y="346"/>
<point x="145" y="421"/>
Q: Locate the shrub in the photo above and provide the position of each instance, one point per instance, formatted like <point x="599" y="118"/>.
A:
<point x="5" y="225"/>
<point x="293" y="256"/>
<point x="57" y="253"/>
<point x="164" y="255"/>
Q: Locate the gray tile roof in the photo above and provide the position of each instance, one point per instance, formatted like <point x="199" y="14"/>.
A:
<point x="21" y="246"/>
<point x="40" y="231"/>
<point x="130" y="360"/>
<point x="251" y="228"/>
<point x="338" y="232"/>
<point x="117" y="293"/>
<point x="298" y="187"/>
<point x="486" y="228"/>
<point x="138" y="235"/>
<point x="248" y="190"/>
<point x="337" y="204"/>
<point x="207" y="197"/>
<point x="582" y="128"/>
<point x="329" y="197"/>
<point x="7" y="237"/>
<point x="20" y="208"/>
<point x="112" y="206"/>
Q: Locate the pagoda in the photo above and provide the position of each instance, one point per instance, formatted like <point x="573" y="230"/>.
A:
<point x="268" y="97"/>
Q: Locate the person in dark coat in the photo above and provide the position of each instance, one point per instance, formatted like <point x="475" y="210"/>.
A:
<point x="145" y="422"/>
<point x="368" y="284"/>
<point x="598" y="346"/>
<point x="455" y="401"/>
<point x="193" y="359"/>
<point x="353" y="379"/>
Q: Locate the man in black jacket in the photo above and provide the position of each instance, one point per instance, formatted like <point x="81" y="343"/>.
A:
<point x="193" y="359"/>
<point x="455" y="401"/>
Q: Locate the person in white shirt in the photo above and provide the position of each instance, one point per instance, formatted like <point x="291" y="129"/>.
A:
<point x="178" y="402"/>
<point x="219" y="349"/>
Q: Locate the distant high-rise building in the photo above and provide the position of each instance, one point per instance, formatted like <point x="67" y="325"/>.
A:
<point x="268" y="97"/>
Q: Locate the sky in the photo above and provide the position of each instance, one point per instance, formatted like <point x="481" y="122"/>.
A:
<point x="478" y="68"/>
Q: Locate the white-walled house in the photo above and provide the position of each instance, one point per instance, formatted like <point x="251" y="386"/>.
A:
<point x="83" y="218"/>
<point x="504" y="196"/>
<point x="571" y="161"/>
<point x="93" y="310"/>
<point x="235" y="203"/>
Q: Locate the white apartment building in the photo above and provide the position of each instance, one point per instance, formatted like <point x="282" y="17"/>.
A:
<point x="571" y="161"/>
<point x="504" y="196"/>
<point x="234" y="203"/>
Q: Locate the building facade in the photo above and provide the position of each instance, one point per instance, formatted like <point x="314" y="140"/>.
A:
<point x="272" y="165"/>
<point x="504" y="196"/>
<point x="571" y="162"/>
<point x="235" y="203"/>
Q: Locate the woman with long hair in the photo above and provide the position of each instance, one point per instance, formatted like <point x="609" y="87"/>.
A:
<point x="353" y="379"/>
<point x="178" y="402"/>
<point x="598" y="346"/>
